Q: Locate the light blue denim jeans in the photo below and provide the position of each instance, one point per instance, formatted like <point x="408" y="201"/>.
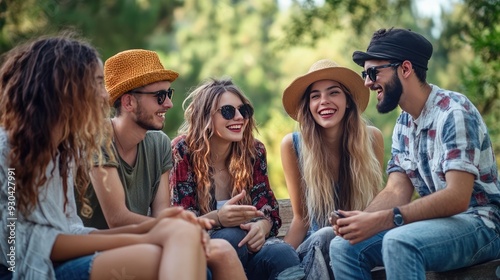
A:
<point x="275" y="257"/>
<point x="314" y="254"/>
<point x="407" y="252"/>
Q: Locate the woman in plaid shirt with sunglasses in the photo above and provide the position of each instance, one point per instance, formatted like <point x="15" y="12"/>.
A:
<point x="220" y="172"/>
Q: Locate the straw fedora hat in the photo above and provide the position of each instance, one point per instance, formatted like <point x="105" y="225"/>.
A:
<point x="132" y="69"/>
<point x="325" y="69"/>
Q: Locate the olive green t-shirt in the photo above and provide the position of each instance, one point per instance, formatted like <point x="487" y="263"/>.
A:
<point x="140" y="182"/>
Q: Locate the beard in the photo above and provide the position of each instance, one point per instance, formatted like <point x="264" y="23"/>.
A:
<point x="392" y="94"/>
<point x="146" y="121"/>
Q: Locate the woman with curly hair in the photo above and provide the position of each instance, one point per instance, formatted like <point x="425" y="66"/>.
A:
<point x="53" y="120"/>
<point x="220" y="172"/>
<point x="333" y="162"/>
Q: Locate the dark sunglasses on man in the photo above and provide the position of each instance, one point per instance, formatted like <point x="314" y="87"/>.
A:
<point x="228" y="111"/>
<point x="161" y="95"/>
<point x="373" y="71"/>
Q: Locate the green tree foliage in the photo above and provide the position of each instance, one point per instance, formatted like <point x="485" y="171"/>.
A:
<point x="218" y="38"/>
<point x="311" y="22"/>
<point x="113" y="25"/>
<point x="18" y="21"/>
<point x="475" y="27"/>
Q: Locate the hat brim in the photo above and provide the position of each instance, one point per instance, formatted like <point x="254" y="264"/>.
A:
<point x="140" y="81"/>
<point x="294" y="92"/>
<point x="360" y="57"/>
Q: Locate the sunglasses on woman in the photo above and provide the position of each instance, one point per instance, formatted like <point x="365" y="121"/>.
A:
<point x="373" y="71"/>
<point x="228" y="111"/>
<point x="161" y="95"/>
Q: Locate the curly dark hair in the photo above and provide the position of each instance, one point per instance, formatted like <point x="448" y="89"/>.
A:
<point x="53" y="110"/>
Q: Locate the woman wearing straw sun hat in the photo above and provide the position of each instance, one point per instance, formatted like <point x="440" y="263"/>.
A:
<point x="333" y="162"/>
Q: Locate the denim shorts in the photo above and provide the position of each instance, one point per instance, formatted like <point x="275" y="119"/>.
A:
<point x="75" y="269"/>
<point x="209" y="274"/>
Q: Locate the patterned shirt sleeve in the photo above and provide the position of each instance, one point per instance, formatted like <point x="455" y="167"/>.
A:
<point x="462" y="136"/>
<point x="261" y="193"/>
<point x="182" y="183"/>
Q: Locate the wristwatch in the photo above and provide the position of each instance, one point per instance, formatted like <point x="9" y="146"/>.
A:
<point x="398" y="218"/>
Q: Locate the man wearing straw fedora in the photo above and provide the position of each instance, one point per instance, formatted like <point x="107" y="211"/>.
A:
<point x="135" y="187"/>
<point x="136" y="184"/>
<point x="440" y="149"/>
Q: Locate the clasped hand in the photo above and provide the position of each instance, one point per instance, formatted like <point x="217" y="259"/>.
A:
<point x="203" y="224"/>
<point x="356" y="226"/>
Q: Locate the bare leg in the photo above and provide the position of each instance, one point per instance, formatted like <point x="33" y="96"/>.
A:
<point x="224" y="262"/>
<point x="183" y="256"/>
<point x="179" y="255"/>
<point x="140" y="261"/>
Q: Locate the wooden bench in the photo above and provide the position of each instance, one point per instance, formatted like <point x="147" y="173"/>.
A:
<point x="489" y="270"/>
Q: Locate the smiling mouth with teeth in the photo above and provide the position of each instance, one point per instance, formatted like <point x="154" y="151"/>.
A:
<point x="161" y="114"/>
<point x="236" y="126"/>
<point x="327" y="112"/>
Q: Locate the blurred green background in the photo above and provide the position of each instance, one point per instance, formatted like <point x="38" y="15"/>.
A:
<point x="264" y="44"/>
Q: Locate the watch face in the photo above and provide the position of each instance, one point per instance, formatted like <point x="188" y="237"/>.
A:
<point x="398" y="220"/>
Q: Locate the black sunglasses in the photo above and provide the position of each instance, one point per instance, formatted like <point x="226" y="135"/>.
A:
<point x="228" y="111"/>
<point x="373" y="71"/>
<point x="161" y="94"/>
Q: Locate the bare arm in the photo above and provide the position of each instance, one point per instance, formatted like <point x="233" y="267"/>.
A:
<point x="109" y="191"/>
<point x="454" y="199"/>
<point x="147" y="225"/>
<point x="72" y="246"/>
<point x="398" y="191"/>
<point x="298" y="227"/>
<point x="162" y="198"/>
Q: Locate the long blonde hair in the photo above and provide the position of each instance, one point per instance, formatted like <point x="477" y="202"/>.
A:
<point x="198" y="128"/>
<point x="49" y="85"/>
<point x="359" y="174"/>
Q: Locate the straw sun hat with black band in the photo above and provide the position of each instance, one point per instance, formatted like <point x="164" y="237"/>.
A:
<point x="132" y="69"/>
<point x="325" y="69"/>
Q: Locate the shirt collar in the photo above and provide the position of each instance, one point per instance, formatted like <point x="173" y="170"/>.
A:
<point x="426" y="117"/>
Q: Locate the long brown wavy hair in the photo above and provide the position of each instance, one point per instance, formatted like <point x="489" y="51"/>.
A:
<point x="52" y="108"/>
<point x="198" y="128"/>
<point x="360" y="174"/>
